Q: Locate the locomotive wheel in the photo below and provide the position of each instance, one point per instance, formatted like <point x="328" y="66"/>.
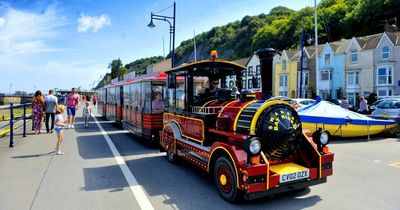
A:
<point x="171" y="156"/>
<point x="225" y="179"/>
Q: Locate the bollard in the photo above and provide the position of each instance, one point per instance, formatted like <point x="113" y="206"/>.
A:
<point x="24" y="131"/>
<point x="11" y="125"/>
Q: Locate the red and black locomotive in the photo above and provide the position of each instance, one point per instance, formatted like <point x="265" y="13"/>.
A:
<point x="251" y="146"/>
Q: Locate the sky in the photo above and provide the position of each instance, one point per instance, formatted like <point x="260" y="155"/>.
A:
<point x="47" y="44"/>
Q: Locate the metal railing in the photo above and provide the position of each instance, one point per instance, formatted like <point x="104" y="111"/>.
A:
<point x="14" y="119"/>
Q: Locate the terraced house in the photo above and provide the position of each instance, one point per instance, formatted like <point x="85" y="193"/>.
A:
<point x="331" y="70"/>
<point x="285" y="74"/>
<point x="360" y="67"/>
<point x="386" y="59"/>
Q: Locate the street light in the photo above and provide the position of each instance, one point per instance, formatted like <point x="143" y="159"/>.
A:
<point x="303" y="37"/>
<point x="171" y="30"/>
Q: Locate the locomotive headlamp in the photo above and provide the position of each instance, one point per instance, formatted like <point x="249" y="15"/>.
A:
<point x="252" y="146"/>
<point x="321" y="138"/>
<point x="255" y="146"/>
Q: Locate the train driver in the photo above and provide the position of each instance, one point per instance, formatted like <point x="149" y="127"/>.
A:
<point x="209" y="91"/>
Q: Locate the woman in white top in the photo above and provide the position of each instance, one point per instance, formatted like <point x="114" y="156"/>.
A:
<point x="59" y="126"/>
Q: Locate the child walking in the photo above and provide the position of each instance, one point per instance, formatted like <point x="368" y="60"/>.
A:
<point x="87" y="111"/>
<point x="59" y="126"/>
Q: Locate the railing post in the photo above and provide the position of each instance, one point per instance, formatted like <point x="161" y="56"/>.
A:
<point x="24" y="130"/>
<point x="11" y="125"/>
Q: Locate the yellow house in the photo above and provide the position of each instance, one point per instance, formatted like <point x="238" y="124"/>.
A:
<point x="285" y="74"/>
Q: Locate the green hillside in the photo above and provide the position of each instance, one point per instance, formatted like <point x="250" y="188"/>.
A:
<point x="281" y="28"/>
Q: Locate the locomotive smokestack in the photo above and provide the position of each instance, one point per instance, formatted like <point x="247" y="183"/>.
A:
<point x="266" y="56"/>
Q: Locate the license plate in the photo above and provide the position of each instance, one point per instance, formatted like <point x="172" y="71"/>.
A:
<point x="294" y="176"/>
<point x="290" y="172"/>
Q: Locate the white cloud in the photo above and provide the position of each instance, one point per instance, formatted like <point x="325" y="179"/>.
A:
<point x="2" y="22"/>
<point x="27" y="32"/>
<point x="87" y="23"/>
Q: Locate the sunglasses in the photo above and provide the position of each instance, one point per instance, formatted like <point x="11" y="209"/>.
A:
<point x="215" y="83"/>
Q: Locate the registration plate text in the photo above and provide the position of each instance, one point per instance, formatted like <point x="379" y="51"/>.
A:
<point x="288" y="177"/>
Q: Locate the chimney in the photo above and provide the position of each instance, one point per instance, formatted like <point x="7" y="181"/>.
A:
<point x="266" y="56"/>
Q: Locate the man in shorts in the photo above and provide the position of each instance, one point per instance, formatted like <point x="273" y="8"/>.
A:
<point x="72" y="106"/>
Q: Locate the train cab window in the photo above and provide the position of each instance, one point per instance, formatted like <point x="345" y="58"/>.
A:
<point x="146" y="97"/>
<point x="157" y="103"/>
<point x="180" y="96"/>
<point x="176" y="96"/>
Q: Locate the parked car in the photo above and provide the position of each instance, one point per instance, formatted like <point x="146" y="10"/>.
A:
<point x="303" y="102"/>
<point x="387" y="109"/>
<point x="292" y="102"/>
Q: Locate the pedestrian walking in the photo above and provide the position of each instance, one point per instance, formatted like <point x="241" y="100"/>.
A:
<point x="50" y="105"/>
<point x="345" y="103"/>
<point x="86" y="112"/>
<point x="94" y="99"/>
<point x="72" y="106"/>
<point x="59" y="127"/>
<point x="363" y="109"/>
<point x="37" y="111"/>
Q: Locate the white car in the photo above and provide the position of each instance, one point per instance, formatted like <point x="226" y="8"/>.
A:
<point x="303" y="102"/>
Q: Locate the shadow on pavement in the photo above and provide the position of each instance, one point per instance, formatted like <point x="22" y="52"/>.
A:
<point x="35" y="155"/>
<point x="104" y="178"/>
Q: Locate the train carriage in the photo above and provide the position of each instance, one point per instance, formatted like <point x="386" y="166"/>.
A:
<point x="251" y="146"/>
<point x="139" y="114"/>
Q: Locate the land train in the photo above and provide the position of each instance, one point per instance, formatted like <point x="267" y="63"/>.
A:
<point x="250" y="145"/>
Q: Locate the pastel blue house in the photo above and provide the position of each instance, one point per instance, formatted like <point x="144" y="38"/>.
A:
<point x="331" y="70"/>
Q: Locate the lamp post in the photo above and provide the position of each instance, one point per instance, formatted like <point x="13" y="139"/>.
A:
<point x="171" y="30"/>
<point x="303" y="35"/>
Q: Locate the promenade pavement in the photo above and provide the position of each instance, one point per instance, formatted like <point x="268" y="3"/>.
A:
<point x="86" y="177"/>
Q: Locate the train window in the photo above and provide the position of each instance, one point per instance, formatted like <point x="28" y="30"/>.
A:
<point x="126" y="95"/>
<point x="135" y="96"/>
<point x="171" y="81"/>
<point x="157" y="104"/>
<point x="118" y="95"/>
<point x="146" y="97"/>
<point x="180" y="95"/>
<point x="200" y="83"/>
<point x="170" y="102"/>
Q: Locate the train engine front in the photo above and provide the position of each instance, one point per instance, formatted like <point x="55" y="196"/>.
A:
<point x="268" y="152"/>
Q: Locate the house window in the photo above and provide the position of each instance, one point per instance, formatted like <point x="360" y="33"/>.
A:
<point x="244" y="84"/>
<point x="385" y="53"/>
<point x="284" y="65"/>
<point x="305" y="64"/>
<point x="382" y="93"/>
<point x="385" y="75"/>
<point x="244" y="73"/>
<point x="283" y="80"/>
<point x="230" y="84"/>
<point x="306" y="77"/>
<point x="352" y="98"/>
<point x="283" y="93"/>
<point x="258" y="70"/>
<point x="353" y="78"/>
<point x="327" y="59"/>
<point x="250" y="71"/>
<point x="250" y="83"/>
<point x="325" y="75"/>
<point x="354" y="56"/>
<point x="259" y="83"/>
